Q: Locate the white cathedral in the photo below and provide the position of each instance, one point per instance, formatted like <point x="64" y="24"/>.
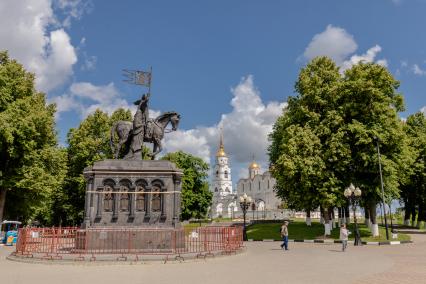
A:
<point x="224" y="202"/>
<point x="260" y="187"/>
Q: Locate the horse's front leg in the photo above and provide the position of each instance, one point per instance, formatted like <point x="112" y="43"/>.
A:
<point x="156" y="149"/>
<point x="120" y="144"/>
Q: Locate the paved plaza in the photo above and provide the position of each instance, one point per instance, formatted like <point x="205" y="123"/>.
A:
<point x="262" y="262"/>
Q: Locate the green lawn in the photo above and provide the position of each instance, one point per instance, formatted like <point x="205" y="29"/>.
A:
<point x="296" y="230"/>
<point x="222" y="219"/>
<point x="299" y="230"/>
<point x="194" y="225"/>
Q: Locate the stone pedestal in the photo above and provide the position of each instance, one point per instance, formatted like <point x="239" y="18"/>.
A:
<point x="132" y="193"/>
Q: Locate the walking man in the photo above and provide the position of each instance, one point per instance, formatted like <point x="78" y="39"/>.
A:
<point x="344" y="236"/>
<point x="284" y="235"/>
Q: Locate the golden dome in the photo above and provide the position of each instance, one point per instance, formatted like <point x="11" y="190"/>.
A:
<point x="254" y="165"/>
<point x="220" y="152"/>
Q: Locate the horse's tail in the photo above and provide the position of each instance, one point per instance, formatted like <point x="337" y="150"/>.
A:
<point x="111" y="137"/>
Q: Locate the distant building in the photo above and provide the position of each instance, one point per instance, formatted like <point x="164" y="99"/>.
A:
<point x="260" y="187"/>
<point x="224" y="199"/>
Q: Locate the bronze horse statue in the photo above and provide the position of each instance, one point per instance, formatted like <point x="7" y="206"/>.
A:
<point x="154" y="134"/>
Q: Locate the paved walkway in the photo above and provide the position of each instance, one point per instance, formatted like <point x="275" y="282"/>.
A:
<point x="261" y="263"/>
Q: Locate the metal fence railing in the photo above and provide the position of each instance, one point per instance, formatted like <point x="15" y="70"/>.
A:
<point x="73" y="242"/>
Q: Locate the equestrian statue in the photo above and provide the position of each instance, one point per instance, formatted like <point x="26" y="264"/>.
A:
<point x="132" y="135"/>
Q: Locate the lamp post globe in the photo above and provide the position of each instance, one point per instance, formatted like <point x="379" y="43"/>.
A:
<point x="347" y="192"/>
<point x="357" y="192"/>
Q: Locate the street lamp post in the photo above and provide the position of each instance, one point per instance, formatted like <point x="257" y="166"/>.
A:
<point x="383" y="192"/>
<point x="245" y="202"/>
<point x="354" y="195"/>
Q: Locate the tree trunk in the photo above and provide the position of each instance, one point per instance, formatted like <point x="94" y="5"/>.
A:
<point x="367" y="220"/>
<point x="327" y="225"/>
<point x="413" y="214"/>
<point x="407" y="211"/>
<point x="3" y="192"/>
<point x="308" y="218"/>
<point x="407" y="214"/>
<point x="332" y="217"/>
<point x="321" y="215"/>
<point x="420" y="217"/>
<point x="347" y="214"/>
<point x="374" y="227"/>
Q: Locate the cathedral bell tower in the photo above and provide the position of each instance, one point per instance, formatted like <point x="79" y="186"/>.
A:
<point x="221" y="181"/>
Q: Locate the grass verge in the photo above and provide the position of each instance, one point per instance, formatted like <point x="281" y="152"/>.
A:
<point x="299" y="231"/>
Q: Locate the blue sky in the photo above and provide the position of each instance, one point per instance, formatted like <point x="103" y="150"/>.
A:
<point x="219" y="63"/>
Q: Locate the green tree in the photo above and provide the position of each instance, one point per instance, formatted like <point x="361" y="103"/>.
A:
<point x="371" y="104"/>
<point x="32" y="166"/>
<point x="325" y="138"/>
<point x="305" y="151"/>
<point x="87" y="143"/>
<point x="196" y="197"/>
<point x="413" y="192"/>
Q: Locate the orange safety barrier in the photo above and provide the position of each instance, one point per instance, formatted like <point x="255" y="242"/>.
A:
<point x="55" y="243"/>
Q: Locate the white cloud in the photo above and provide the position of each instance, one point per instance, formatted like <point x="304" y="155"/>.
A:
<point x="85" y="98"/>
<point x="89" y="62"/>
<point x="65" y="103"/>
<point x="29" y="37"/>
<point x="418" y="71"/>
<point x="56" y="68"/>
<point x="369" y="56"/>
<point x="334" y="42"/>
<point x="192" y="141"/>
<point x="245" y="129"/>
<point x="339" y="45"/>
<point x="73" y="9"/>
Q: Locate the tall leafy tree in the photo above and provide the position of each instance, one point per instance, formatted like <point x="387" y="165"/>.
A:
<point x="196" y="197"/>
<point x="413" y="192"/>
<point x="325" y="138"/>
<point x="370" y="109"/>
<point x="32" y="166"/>
<point x="305" y="152"/>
